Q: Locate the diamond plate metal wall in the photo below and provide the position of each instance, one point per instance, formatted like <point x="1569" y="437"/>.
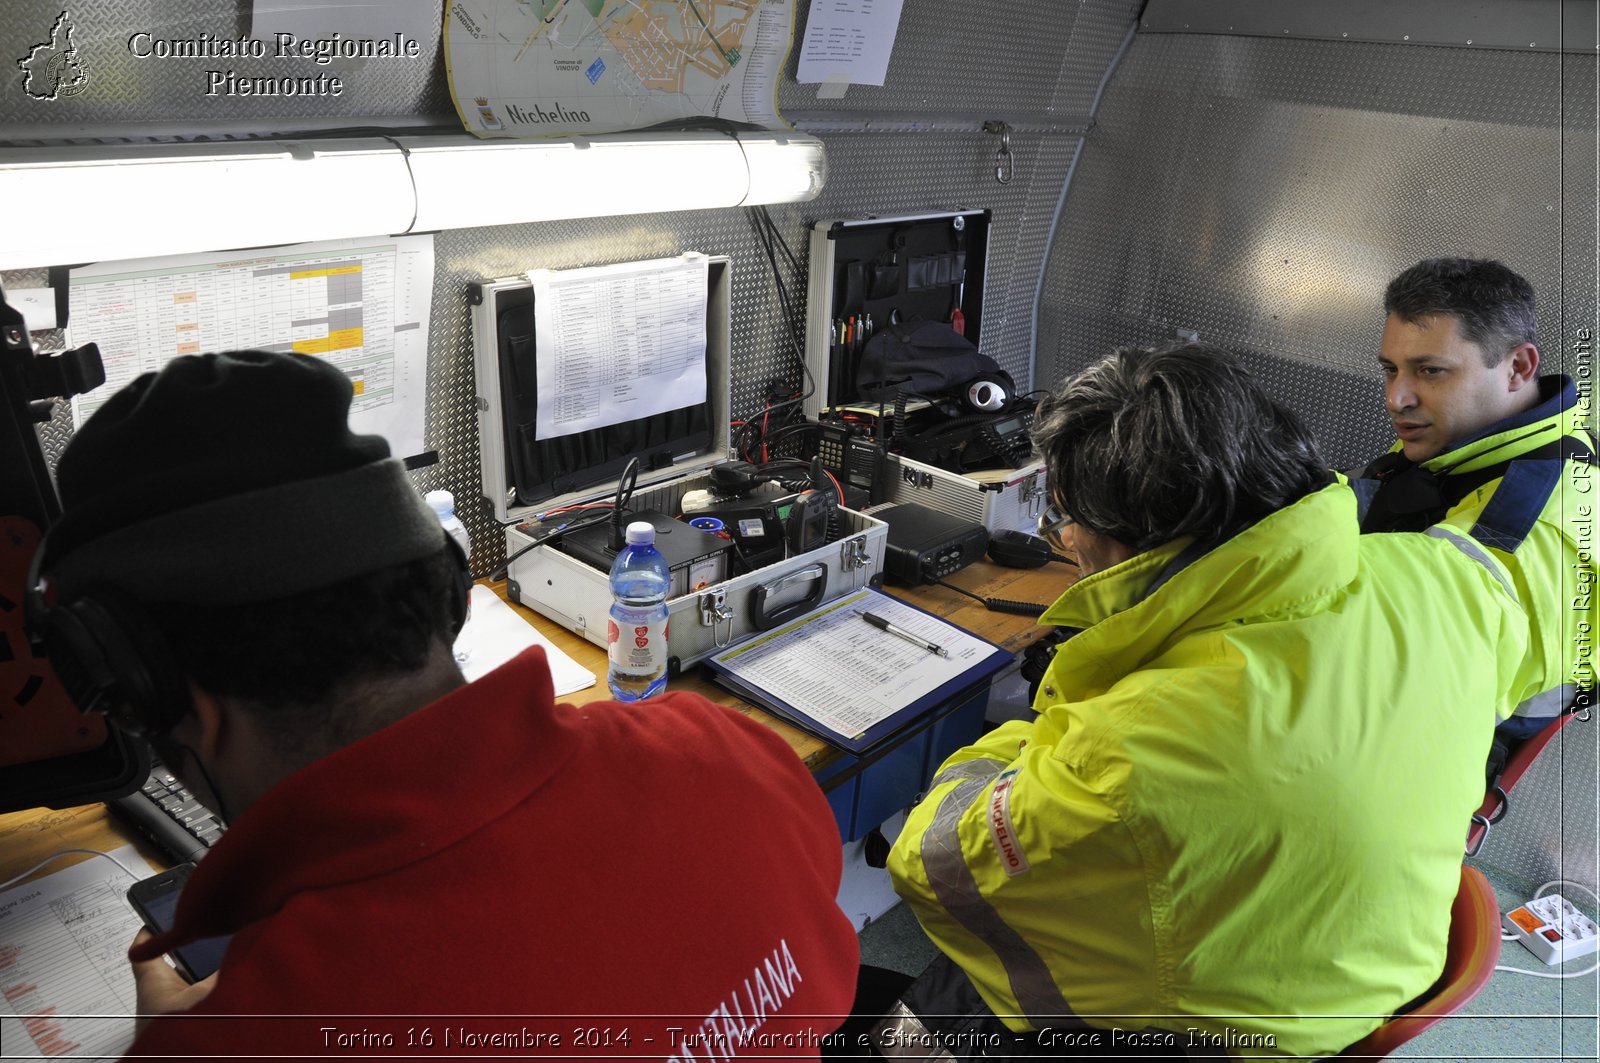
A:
<point x="166" y="96"/>
<point x="1262" y="192"/>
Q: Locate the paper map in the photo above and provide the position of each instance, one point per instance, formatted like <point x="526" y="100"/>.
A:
<point x="521" y="68"/>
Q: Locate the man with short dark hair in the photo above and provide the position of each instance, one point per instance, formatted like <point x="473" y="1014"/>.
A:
<point x="1219" y="824"/>
<point x="265" y="596"/>
<point x="1495" y="451"/>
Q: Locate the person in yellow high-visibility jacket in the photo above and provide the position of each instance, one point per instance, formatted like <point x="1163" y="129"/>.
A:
<point x="1494" y="450"/>
<point x="1238" y="815"/>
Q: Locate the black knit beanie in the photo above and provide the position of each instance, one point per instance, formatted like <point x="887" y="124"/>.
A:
<point x="231" y="478"/>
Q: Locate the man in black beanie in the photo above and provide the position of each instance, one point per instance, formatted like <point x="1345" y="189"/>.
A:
<point x="265" y="598"/>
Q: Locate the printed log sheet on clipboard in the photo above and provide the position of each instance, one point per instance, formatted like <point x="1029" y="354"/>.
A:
<point x="838" y="676"/>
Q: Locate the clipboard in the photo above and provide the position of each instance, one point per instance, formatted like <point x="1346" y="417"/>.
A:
<point x="835" y="676"/>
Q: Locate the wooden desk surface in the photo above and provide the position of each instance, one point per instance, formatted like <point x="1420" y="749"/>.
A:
<point x="29" y="836"/>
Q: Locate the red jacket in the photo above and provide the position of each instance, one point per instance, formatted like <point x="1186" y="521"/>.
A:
<point x="663" y="872"/>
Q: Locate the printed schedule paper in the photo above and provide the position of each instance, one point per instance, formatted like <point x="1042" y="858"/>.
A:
<point x="362" y="305"/>
<point x="65" y="985"/>
<point x="848" y="42"/>
<point x="833" y="673"/>
<point x="616" y="343"/>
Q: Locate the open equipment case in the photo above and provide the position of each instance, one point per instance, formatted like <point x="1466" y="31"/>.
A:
<point x="920" y="266"/>
<point x="525" y="476"/>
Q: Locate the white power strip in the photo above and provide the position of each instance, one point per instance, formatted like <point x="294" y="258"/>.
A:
<point x="1552" y="929"/>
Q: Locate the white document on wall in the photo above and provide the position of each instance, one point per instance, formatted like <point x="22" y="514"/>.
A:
<point x="38" y="306"/>
<point x="65" y="985"/>
<point x="616" y="343"/>
<point x="361" y="304"/>
<point x="848" y="41"/>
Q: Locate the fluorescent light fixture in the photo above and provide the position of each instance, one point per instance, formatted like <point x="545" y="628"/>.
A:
<point x="71" y="204"/>
<point x="784" y="167"/>
<point x="88" y="204"/>
<point x="462" y="184"/>
<point x="500" y="182"/>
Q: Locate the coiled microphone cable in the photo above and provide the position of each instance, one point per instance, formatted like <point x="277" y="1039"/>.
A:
<point x="999" y="605"/>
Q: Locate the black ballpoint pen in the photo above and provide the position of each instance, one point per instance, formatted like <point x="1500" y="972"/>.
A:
<point x="917" y="640"/>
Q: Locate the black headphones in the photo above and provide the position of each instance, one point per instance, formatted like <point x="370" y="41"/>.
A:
<point x="111" y="659"/>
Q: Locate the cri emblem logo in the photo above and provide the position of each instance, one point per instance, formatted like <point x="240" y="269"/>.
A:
<point x="53" y="69"/>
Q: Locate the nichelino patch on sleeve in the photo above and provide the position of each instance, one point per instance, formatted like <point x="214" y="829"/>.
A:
<point x="1012" y="858"/>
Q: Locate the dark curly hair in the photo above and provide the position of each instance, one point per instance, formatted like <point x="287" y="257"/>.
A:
<point x="1150" y="445"/>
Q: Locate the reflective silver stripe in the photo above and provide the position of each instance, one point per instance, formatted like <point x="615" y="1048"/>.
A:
<point x="1477" y="553"/>
<point x="1549" y="702"/>
<point x="987" y="768"/>
<point x="951" y="879"/>
<point x="901" y="1035"/>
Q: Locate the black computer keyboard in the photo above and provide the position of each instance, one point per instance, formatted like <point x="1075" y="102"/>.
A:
<point x="170" y="816"/>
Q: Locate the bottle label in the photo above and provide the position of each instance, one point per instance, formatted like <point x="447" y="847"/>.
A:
<point x="636" y="649"/>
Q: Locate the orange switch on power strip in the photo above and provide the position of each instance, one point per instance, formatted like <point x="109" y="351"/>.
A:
<point x="1552" y="929"/>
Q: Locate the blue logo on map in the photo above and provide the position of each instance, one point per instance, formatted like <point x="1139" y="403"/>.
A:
<point x="596" y="68"/>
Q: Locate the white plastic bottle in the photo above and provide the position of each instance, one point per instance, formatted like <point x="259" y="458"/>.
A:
<point x="443" y="504"/>
<point x="636" y="637"/>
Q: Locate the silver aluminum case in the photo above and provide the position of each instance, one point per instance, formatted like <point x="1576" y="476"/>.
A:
<point x="577" y="596"/>
<point x="495" y="465"/>
<point x="820" y="291"/>
<point x="699" y="623"/>
<point x="999" y="500"/>
<point x="1010" y="499"/>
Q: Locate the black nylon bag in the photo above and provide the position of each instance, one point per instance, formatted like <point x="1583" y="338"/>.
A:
<point x="920" y="358"/>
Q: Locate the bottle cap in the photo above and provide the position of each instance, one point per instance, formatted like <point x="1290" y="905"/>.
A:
<point x="443" y="503"/>
<point x="641" y="531"/>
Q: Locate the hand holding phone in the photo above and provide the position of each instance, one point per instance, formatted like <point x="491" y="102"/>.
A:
<point x="159" y="989"/>
<point x="156" y="900"/>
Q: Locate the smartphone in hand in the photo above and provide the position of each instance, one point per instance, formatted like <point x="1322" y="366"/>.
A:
<point x="156" y="900"/>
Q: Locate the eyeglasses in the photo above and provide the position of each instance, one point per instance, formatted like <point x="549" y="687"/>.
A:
<point x="1051" y="525"/>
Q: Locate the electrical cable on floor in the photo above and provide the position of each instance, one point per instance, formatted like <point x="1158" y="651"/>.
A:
<point x="56" y="856"/>
<point x="1591" y="969"/>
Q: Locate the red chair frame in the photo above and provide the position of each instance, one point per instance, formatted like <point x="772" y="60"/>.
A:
<point x="1497" y="802"/>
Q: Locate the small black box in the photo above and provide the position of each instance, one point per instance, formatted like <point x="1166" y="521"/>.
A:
<point x="926" y="544"/>
<point x="695" y="558"/>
